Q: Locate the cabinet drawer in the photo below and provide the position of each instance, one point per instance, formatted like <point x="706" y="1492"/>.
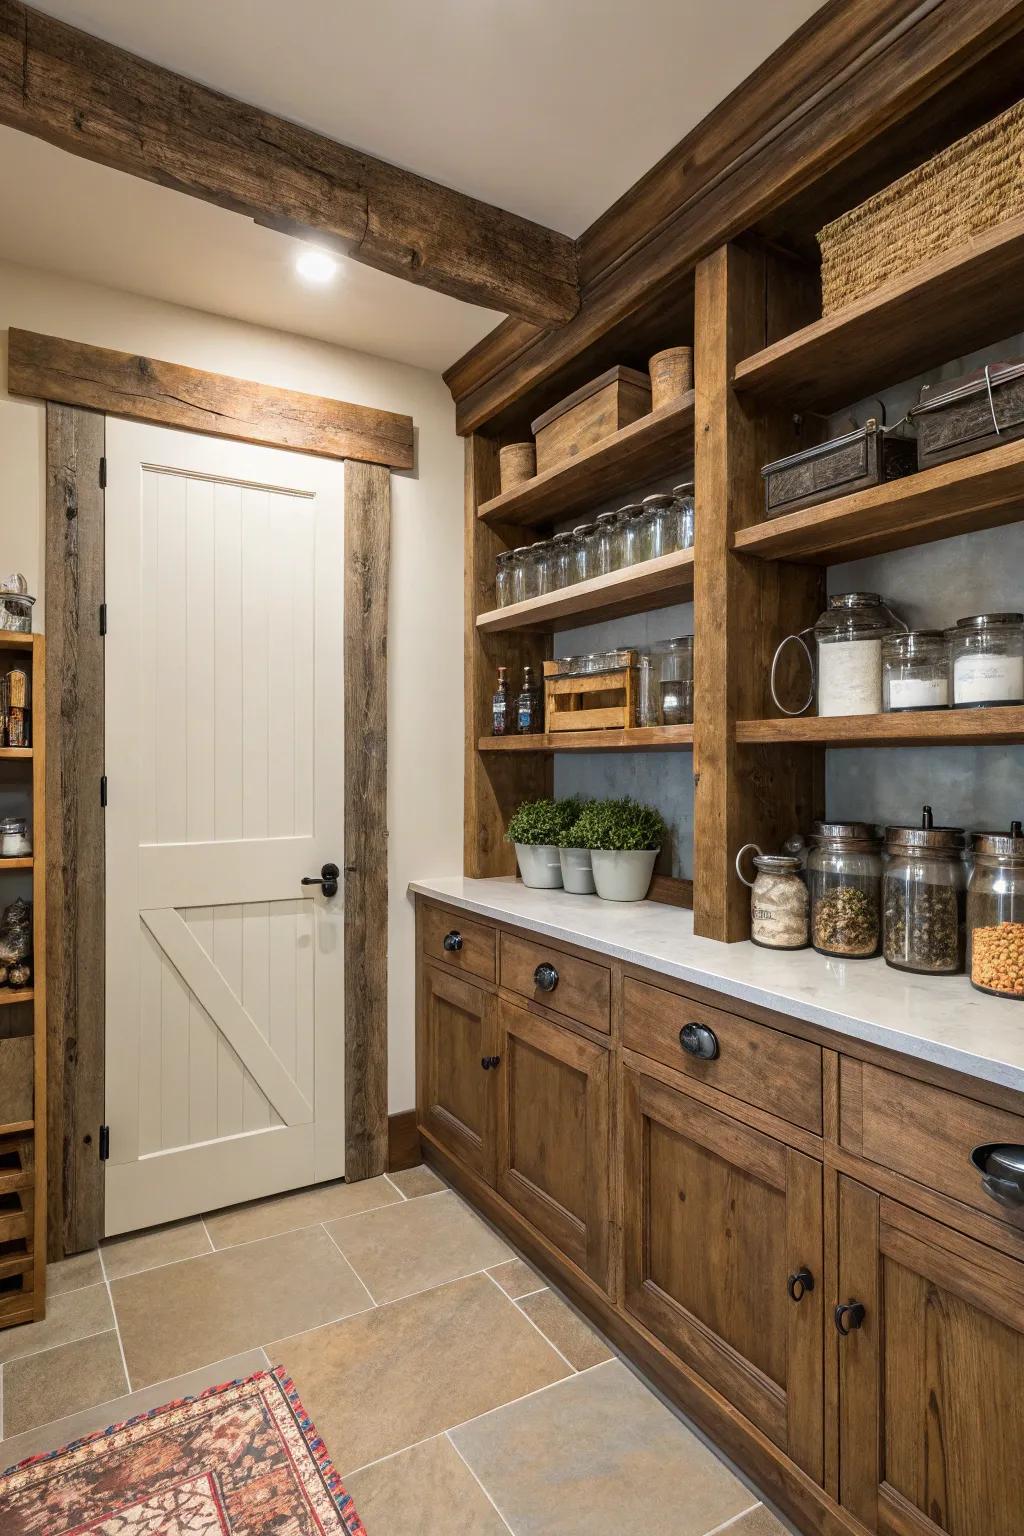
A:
<point x="925" y="1133"/>
<point x="471" y="946"/>
<point x="762" y="1066"/>
<point x="580" y="989"/>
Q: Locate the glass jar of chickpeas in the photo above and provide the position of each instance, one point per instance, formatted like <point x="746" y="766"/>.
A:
<point x="995" y="913"/>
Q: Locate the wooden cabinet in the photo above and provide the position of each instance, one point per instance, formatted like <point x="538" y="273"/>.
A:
<point x="577" y="989"/>
<point x="457" y="941"/>
<point x="931" y="1382"/>
<point x="456" y="1035"/>
<point x="718" y="1221"/>
<point x="553" y="1143"/>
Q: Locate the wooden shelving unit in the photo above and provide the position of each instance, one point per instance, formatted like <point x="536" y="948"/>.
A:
<point x="653" y="584"/>
<point x="15" y="754"/>
<point x="654" y="738"/>
<point x="936" y="727"/>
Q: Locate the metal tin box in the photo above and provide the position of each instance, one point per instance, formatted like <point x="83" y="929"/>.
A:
<point x="972" y="413"/>
<point x="867" y="456"/>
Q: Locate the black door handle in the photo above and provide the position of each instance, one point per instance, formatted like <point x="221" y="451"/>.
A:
<point x="799" y="1284"/>
<point x="452" y="942"/>
<point x="545" y="977"/>
<point x="489" y="1062"/>
<point x="849" y="1315"/>
<point x="698" y="1040"/>
<point x="328" y="879"/>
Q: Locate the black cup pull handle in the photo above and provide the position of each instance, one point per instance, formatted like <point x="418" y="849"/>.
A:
<point x="799" y="1284"/>
<point x="545" y="977"/>
<point x="698" y="1040"/>
<point x="327" y="879"/>
<point x="849" y="1315"/>
<point x="452" y="941"/>
<point x="1005" y="1183"/>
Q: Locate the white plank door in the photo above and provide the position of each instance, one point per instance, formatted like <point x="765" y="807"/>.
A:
<point x="224" y="739"/>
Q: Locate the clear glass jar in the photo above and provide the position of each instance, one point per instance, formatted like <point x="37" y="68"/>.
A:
<point x="987" y="657"/>
<point x="923" y="898"/>
<point x="583" y="551"/>
<point x="844" y="872"/>
<point x="648" y="693"/>
<point x="675" y="680"/>
<point x="684" y="514"/>
<point x="779" y="903"/>
<point x="915" y="671"/>
<point x="15" y="842"/>
<point x="995" y="913"/>
<point x="847" y="675"/>
<point x="563" y="572"/>
<point x="661" y="525"/>
<point x="503" y="579"/>
<point x="538" y="568"/>
<point x="629" y="522"/>
<point x="606" y="536"/>
<point x="520" y="558"/>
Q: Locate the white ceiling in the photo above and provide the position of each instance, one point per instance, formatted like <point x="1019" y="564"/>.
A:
<point x="551" y="108"/>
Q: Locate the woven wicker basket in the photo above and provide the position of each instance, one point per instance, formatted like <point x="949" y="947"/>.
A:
<point x="971" y="186"/>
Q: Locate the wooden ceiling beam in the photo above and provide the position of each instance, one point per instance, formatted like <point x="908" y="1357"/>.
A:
<point x="98" y="101"/>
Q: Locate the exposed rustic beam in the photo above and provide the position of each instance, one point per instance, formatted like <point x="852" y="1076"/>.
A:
<point x="170" y="395"/>
<point x="98" y="101"/>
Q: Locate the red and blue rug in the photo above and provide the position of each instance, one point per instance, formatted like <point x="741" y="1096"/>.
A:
<point x="240" y="1460"/>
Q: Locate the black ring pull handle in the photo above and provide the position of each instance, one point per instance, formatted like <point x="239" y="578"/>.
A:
<point x="697" y="1040"/>
<point x="799" y="1284"/>
<point x="849" y="1315"/>
<point x="489" y="1062"/>
<point x="545" y="977"/>
<point x="327" y="880"/>
<point x="1002" y="1173"/>
<point x="452" y="941"/>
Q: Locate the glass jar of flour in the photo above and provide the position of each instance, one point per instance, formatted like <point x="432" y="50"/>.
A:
<point x="846" y="673"/>
<point x="779" y="903"/>
<point x="987" y="654"/>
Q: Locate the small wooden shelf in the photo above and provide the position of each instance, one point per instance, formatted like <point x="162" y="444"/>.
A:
<point x="941" y="727"/>
<point x="27" y="863"/>
<point x="15" y="754"/>
<point x="960" y="301"/>
<point x="9" y="996"/>
<point x="656" y="445"/>
<point x="983" y="491"/>
<point x="13" y="640"/>
<point x="655" y="738"/>
<point x="652" y="584"/>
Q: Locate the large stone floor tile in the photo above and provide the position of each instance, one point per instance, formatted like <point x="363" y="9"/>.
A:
<point x="61" y="1381"/>
<point x="757" y="1522"/>
<point x="516" y="1278"/>
<point x="426" y="1491"/>
<point x="160" y="1245"/>
<point x="562" y="1462"/>
<point x="414" y="1182"/>
<point x="175" y="1318"/>
<point x="73" y="1315"/>
<point x="420" y="1243"/>
<point x="51" y="1437"/>
<point x="384" y="1380"/>
<point x="303" y="1208"/>
<point x="566" y="1330"/>
<point x="72" y="1274"/>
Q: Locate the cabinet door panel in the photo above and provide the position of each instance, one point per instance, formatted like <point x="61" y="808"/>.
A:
<point x="455" y="1093"/>
<point x="717" y="1217"/>
<point x="553" y="1149"/>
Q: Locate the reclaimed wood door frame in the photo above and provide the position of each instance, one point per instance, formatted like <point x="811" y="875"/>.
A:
<point x="75" y="870"/>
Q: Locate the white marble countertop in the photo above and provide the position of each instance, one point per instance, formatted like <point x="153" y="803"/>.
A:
<point x="937" y="1019"/>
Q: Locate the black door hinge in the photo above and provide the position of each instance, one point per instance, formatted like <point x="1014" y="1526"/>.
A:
<point x="103" y="790"/>
<point x="103" y="618"/>
<point x="103" y="473"/>
<point x="104" y="1143"/>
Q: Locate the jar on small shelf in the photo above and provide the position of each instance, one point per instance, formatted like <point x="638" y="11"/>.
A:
<point x="503" y="579"/>
<point x="675" y="679"/>
<point x="779" y="901"/>
<point x="520" y="558"/>
<point x="995" y="913"/>
<point x="630" y="526"/>
<point x="684" y="514"/>
<point x="583" y="552"/>
<point x="660" y="524"/>
<point x="923" y="898"/>
<point x="608" y="543"/>
<point x="538" y="568"/>
<point x="844" y="872"/>
<point x="563" y="572"/>
<point x="846" y="674"/>
<point x="15" y="842"/>
<point x="915" y="671"/>
<point x="987" y="655"/>
<point x="648" y="694"/>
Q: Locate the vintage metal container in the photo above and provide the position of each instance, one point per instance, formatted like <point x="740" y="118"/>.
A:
<point x="870" y="455"/>
<point x="972" y="413"/>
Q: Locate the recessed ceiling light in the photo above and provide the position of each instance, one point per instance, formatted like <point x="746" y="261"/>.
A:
<point x="316" y="266"/>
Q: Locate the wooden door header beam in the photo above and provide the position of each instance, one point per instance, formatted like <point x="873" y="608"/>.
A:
<point x="107" y="105"/>
<point x="170" y="395"/>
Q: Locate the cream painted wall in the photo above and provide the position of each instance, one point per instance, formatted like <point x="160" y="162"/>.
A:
<point x="425" y="630"/>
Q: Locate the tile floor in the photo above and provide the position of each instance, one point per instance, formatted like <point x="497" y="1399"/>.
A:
<point x="457" y="1392"/>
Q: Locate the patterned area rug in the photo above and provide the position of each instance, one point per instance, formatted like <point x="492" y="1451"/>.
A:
<point x="241" y="1460"/>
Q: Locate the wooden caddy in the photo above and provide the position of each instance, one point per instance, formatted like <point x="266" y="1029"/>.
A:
<point x="582" y="703"/>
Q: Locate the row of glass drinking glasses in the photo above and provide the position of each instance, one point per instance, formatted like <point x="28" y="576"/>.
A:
<point x="658" y="525"/>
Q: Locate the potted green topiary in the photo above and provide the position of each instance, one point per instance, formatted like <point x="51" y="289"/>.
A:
<point x="535" y="830"/>
<point x="577" y="872"/>
<point x="624" y="839"/>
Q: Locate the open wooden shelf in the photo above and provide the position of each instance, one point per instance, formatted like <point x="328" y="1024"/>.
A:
<point x="654" y="738"/>
<point x="11" y="995"/>
<point x="13" y="640"/>
<point x="656" y="445"/>
<point x="941" y="727"/>
<point x="958" y="302"/>
<point x="983" y="491"/>
<point x="652" y="584"/>
<point x="15" y="753"/>
<point x="27" y="863"/>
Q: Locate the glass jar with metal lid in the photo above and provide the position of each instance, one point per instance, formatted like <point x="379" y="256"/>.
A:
<point x="520" y="556"/>
<point x="675" y="675"/>
<point x="630" y="529"/>
<point x="15" y="842"/>
<point x="779" y="902"/>
<point x="995" y="913"/>
<point x="538" y="568"/>
<point x="659" y="525"/>
<point x="583" y="551"/>
<point x="923" y="898"/>
<point x="844" y="872"/>
<point x="987" y="657"/>
<point x="847" y="674"/>
<point x="607" y="541"/>
<point x="684" y="514"/>
<point x="503" y="579"/>
<point x="915" y="671"/>
<point x="563" y="572"/>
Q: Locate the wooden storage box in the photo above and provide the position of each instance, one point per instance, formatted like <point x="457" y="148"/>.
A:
<point x="593" y="412"/>
<point x="16" y="1074"/>
<point x="977" y="411"/>
<point x="865" y="457"/>
<point x="17" y="1234"/>
<point x="594" y="701"/>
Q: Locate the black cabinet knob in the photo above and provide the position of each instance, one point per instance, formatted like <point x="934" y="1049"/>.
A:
<point x="489" y="1062"/>
<point x="799" y="1284"/>
<point x="545" y="977"/>
<point x="849" y="1315"/>
<point x="452" y="941"/>
<point x="327" y="879"/>
<point x="698" y="1040"/>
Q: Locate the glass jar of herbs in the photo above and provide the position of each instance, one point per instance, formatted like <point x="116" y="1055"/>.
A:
<point x="924" y="898"/>
<point x="844" y="876"/>
<point x="995" y="913"/>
